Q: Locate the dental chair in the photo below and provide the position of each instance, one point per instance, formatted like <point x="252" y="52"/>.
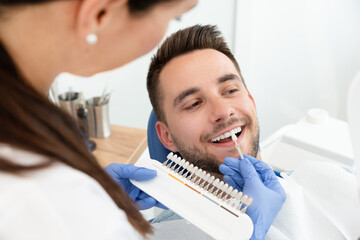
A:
<point x="157" y="150"/>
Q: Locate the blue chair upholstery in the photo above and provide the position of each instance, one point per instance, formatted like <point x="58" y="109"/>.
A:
<point x="156" y="148"/>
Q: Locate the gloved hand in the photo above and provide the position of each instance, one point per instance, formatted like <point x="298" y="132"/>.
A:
<point x="257" y="180"/>
<point x="121" y="173"/>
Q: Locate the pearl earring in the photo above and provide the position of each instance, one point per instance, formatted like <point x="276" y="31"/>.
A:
<point x="91" y="38"/>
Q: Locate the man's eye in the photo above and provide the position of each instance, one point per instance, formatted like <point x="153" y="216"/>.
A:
<point x="193" y="105"/>
<point x="231" y="91"/>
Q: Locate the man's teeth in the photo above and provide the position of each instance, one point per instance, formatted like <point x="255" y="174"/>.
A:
<point x="227" y="134"/>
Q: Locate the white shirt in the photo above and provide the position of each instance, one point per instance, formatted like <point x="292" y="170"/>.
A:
<point x="322" y="203"/>
<point x="57" y="202"/>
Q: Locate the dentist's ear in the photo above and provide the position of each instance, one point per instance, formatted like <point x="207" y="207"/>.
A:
<point x="93" y="16"/>
<point x="164" y="136"/>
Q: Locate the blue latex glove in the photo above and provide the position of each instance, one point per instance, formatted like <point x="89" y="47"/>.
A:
<point x="257" y="180"/>
<point x="121" y="173"/>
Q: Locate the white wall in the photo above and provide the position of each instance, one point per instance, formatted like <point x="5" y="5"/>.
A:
<point x="294" y="55"/>
<point x="297" y="54"/>
<point x="129" y="104"/>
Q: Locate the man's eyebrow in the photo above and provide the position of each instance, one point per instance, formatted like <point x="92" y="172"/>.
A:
<point x="227" y="77"/>
<point x="184" y="94"/>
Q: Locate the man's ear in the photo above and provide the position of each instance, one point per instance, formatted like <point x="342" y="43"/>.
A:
<point x="92" y="15"/>
<point x="164" y="136"/>
<point x="252" y="99"/>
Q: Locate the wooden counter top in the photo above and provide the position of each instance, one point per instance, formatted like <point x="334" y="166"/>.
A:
<point x="124" y="145"/>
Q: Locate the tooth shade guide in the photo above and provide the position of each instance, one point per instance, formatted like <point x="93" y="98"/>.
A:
<point x="201" y="178"/>
<point x="221" y="202"/>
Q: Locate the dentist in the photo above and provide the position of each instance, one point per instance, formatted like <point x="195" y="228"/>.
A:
<point x="51" y="186"/>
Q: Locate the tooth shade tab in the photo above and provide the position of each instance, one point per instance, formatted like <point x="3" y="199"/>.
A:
<point x="233" y="137"/>
<point x="176" y="161"/>
<point x="233" y="193"/>
<point x="210" y="181"/>
<point x="227" y="134"/>
<point x="170" y="155"/>
<point x="180" y="164"/>
<point x="185" y="167"/>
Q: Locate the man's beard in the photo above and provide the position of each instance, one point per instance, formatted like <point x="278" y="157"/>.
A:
<point x="208" y="161"/>
<point x="204" y="160"/>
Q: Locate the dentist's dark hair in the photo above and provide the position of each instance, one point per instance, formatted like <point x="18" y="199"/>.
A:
<point x="179" y="43"/>
<point x="29" y="121"/>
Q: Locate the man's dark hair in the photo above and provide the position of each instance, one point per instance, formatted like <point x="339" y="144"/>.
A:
<point x="183" y="41"/>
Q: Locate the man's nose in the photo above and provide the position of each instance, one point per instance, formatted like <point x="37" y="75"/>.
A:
<point x="220" y="111"/>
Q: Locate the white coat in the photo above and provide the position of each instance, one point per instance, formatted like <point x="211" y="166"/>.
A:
<point x="57" y="202"/>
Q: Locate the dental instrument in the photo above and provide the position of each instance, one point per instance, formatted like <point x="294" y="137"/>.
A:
<point x="237" y="146"/>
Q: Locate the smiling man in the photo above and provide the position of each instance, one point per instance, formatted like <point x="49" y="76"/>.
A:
<point x="199" y="97"/>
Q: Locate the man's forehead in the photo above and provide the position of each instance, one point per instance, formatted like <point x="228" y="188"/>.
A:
<point x="196" y="68"/>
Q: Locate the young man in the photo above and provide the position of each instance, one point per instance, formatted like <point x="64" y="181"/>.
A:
<point x="199" y="96"/>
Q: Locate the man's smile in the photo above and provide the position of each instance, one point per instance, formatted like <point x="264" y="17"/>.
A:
<point x="224" y="139"/>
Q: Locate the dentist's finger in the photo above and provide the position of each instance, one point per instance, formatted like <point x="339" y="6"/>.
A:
<point x="229" y="180"/>
<point x="235" y="176"/>
<point x="266" y="172"/>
